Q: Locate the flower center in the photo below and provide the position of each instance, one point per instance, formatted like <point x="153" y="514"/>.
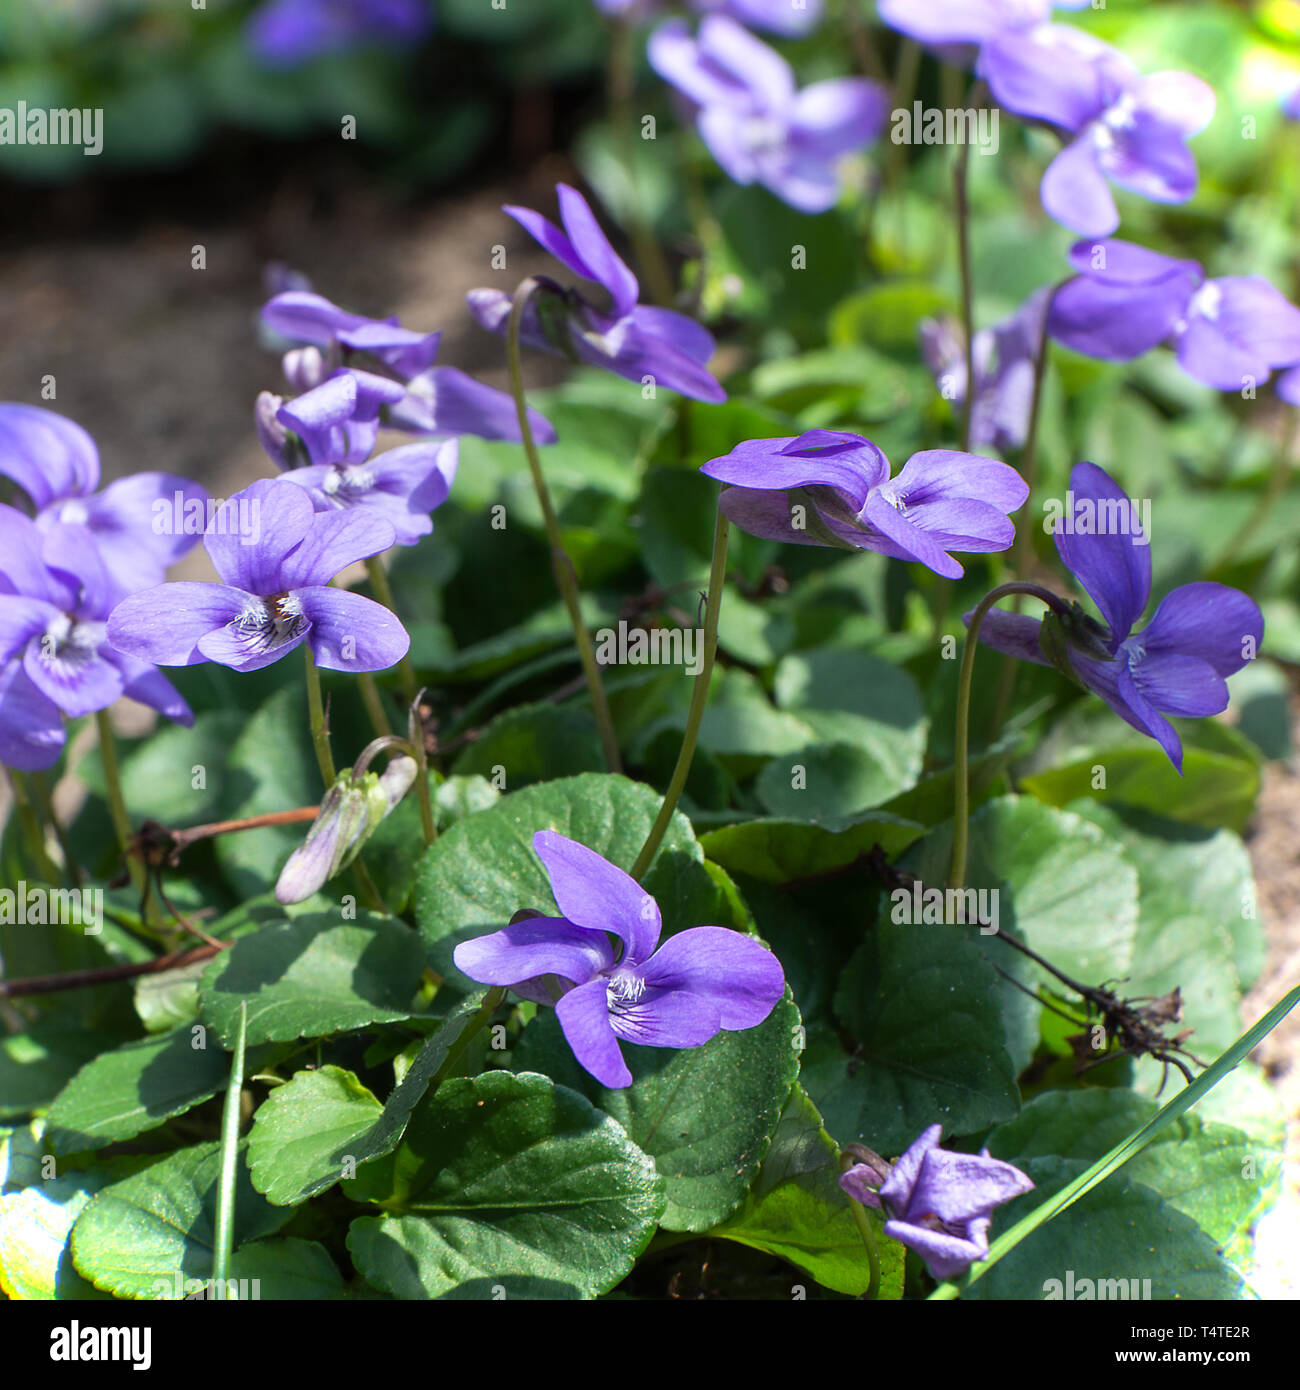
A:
<point x="346" y="482"/>
<point x="763" y="134"/>
<point x="74" y="512"/>
<point x="271" y="622"/>
<point x="623" y="988"/>
<point x="1206" y="301"/>
<point x="68" y="646"/>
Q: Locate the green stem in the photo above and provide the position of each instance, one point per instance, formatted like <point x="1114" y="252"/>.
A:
<point x="959" y="178"/>
<point x="961" y="759"/>
<point x="32" y="828"/>
<point x="320" y="738"/>
<point x="384" y="593"/>
<point x="863" y="1222"/>
<point x="565" y="575"/>
<point x="374" y="704"/>
<point x="491" y="1001"/>
<point x="44" y="800"/>
<point x="224" y="1237"/>
<point x="1277" y="481"/>
<point x="116" y="801"/>
<point x="699" y="699"/>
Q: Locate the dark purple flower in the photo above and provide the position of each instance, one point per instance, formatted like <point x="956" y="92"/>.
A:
<point x="632" y="340"/>
<point x="1229" y="332"/>
<point x="1122" y="127"/>
<point x="55" y="657"/>
<point x="1004" y="358"/>
<point x="1177" y="664"/>
<point x="937" y="1203"/>
<point x="682" y="994"/>
<point x="276" y="556"/>
<point x="830" y="488"/>
<point x="137" y="522"/>
<point x="285" y="33"/>
<point x="436" y="400"/>
<point x="756" y="122"/>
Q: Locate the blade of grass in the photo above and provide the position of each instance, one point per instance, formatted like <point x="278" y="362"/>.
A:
<point x="1125" y="1149"/>
<point x="229" y="1152"/>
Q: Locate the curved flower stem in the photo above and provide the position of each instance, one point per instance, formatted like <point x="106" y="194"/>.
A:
<point x="33" y="830"/>
<point x="384" y="593"/>
<point x="565" y="577"/>
<point x="959" y="178"/>
<point x="117" y="804"/>
<point x="320" y="737"/>
<point x="863" y="1222"/>
<point x="961" y="759"/>
<point x="699" y="699"/>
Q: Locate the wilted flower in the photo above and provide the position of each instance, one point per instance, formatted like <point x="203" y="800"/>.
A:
<point x="1228" y="332"/>
<point x="1177" y="664"/>
<point x="275" y="593"/>
<point x="756" y="122"/>
<point x="632" y="340"/>
<point x="937" y="1203"/>
<point x="1122" y="127"/>
<point x="348" y="816"/>
<point x="132" y="522"/>
<point x="697" y="983"/>
<point x="1004" y="357"/>
<point x="830" y="488"/>
<point x="55" y="659"/>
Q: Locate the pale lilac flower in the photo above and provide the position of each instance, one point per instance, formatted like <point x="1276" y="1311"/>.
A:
<point x="827" y="487"/>
<point x="678" y="994"/>
<point x="55" y="656"/>
<point x="1229" y="332"/>
<point x="275" y="592"/>
<point x="789" y="18"/>
<point x="938" y="1203"/>
<point x="1004" y="358"/>
<point x="133" y="521"/>
<point x="436" y="400"/>
<point x="1291" y="103"/>
<point x="756" y="122"/>
<point x="1120" y="127"/>
<point x="632" y="340"/>
<point x="1177" y="664"/>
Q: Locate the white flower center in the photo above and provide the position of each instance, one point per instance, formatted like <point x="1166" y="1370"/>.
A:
<point x="1207" y="301"/>
<point x="624" y="988"/>
<point x="74" y="512"/>
<point x="269" y="622"/>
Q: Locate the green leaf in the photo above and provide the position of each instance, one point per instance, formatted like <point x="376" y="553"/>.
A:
<point x="138" y="1235"/>
<point x="534" y="743"/>
<point x="301" y="1126"/>
<point x="1121" y="1232"/>
<point x="169" y="998"/>
<point x="797" y="1210"/>
<point x="312" y="976"/>
<point x="1213" y="1173"/>
<point x="778" y="851"/>
<point x="921" y="1001"/>
<point x="37" y="1064"/>
<point x="35" y="1225"/>
<point x="508" y="1182"/>
<point x="134" y="1088"/>
<point x="704" y="1114"/>
<point x="474" y="878"/>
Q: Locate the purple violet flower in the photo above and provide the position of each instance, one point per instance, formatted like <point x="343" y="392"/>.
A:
<point x="789" y="18"/>
<point x="938" y="1203"/>
<point x="276" y="556"/>
<point x="1004" y="357"/>
<point x="1123" y="127"/>
<point x="683" y="993"/>
<point x="1228" y="332"/>
<point x="1177" y="664"/>
<point x="636" y="341"/>
<point x="286" y="33"/>
<point x="1290" y="103"/>
<point x="757" y="124"/>
<point x="436" y="400"/>
<point x="55" y="658"/>
<point x="830" y="488"/>
<point x="137" y="523"/>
